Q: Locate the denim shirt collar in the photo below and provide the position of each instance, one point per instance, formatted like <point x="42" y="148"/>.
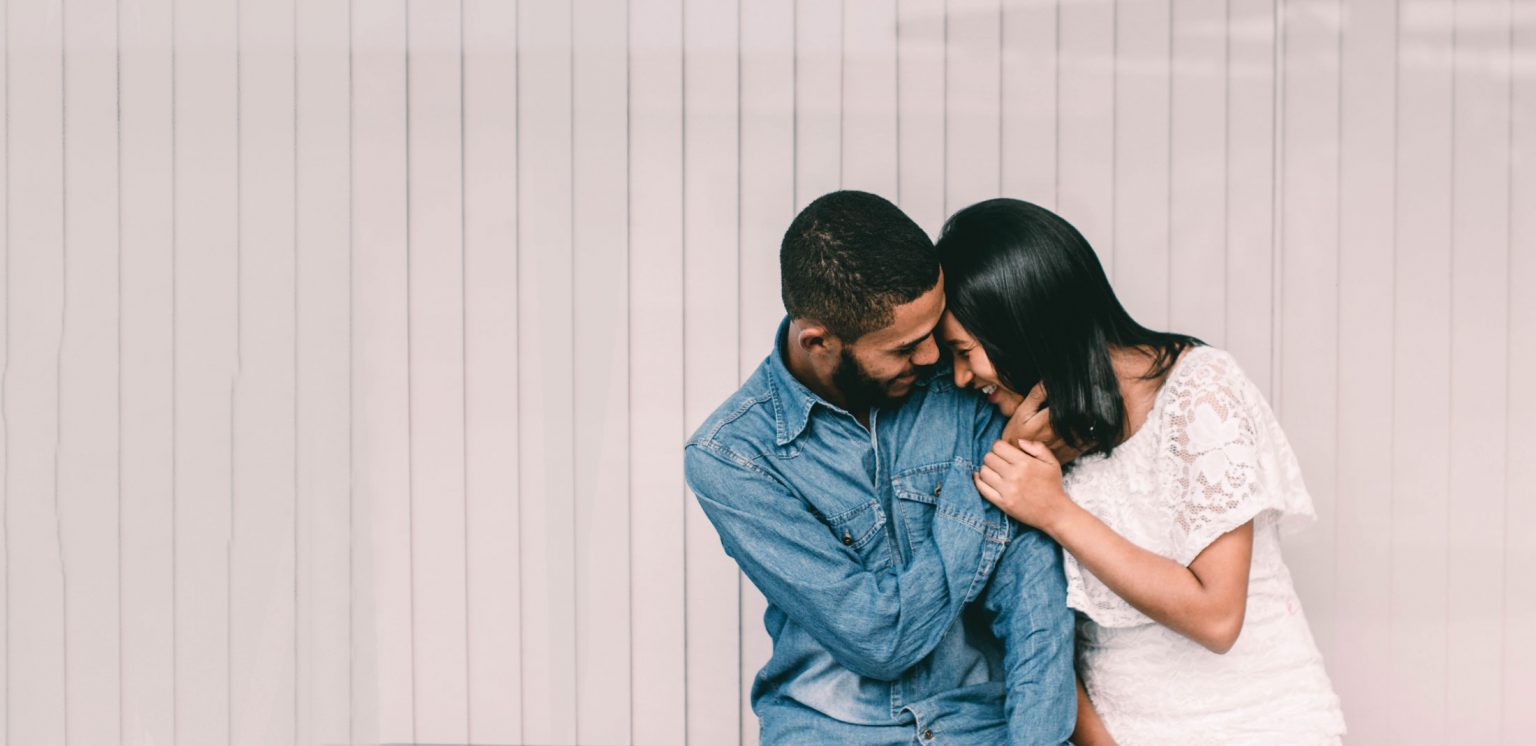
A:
<point x="792" y="401"/>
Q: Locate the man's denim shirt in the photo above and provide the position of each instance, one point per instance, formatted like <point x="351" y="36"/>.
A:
<point x="903" y="607"/>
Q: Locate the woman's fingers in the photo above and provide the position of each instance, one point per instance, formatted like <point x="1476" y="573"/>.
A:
<point x="1038" y="450"/>
<point x="986" y="490"/>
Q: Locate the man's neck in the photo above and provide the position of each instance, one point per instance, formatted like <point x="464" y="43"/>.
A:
<point x="800" y="364"/>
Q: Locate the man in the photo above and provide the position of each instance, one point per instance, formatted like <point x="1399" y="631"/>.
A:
<point x="903" y="607"/>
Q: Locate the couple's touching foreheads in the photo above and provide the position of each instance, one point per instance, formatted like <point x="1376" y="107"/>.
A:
<point x="986" y="506"/>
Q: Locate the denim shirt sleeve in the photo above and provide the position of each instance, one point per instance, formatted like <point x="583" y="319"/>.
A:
<point x="1027" y="603"/>
<point x="877" y="624"/>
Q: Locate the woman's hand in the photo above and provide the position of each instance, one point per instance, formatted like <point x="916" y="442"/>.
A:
<point x="1032" y="421"/>
<point x="1025" y="482"/>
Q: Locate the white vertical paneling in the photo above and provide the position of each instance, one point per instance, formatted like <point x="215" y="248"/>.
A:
<point x="601" y="409"/>
<point x="262" y="612"/>
<point x="869" y="121"/>
<point x="1029" y="96"/>
<point x="920" y="159"/>
<point x="207" y="287"/>
<point x="972" y="103"/>
<point x="350" y="347"/>
<point x="322" y="384"/>
<point x="1197" y="198"/>
<point x="1140" y="160"/>
<point x="5" y="348"/>
<point x="88" y="373"/>
<point x="1479" y="363"/>
<point x="1421" y="376"/>
<point x="818" y="99"/>
<point x="1518" y="666"/>
<point x="145" y="80"/>
<point x="1364" y="419"/>
<point x="1085" y="121"/>
<point x="1251" y="141"/>
<point x="767" y="207"/>
<point x="494" y="574"/>
<point x="711" y="206"/>
<point x="36" y="658"/>
<point x="383" y="680"/>
<point x="435" y="257"/>
<point x="546" y="437"/>
<point x="657" y="427"/>
<point x="1307" y="393"/>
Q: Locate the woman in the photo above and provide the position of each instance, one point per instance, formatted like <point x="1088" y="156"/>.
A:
<point x="1189" y="629"/>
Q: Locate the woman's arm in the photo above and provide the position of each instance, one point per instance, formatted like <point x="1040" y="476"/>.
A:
<point x="1205" y="601"/>
<point x="1090" y="729"/>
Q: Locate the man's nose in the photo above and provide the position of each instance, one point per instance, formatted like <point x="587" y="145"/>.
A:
<point x="926" y="353"/>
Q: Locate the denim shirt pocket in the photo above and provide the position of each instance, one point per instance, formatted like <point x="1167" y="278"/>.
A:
<point x="917" y="491"/>
<point x="862" y="529"/>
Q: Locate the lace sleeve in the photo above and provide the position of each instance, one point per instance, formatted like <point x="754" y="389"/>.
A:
<point x="1226" y="462"/>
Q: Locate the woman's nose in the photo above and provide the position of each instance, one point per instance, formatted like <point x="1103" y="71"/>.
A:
<point x="962" y="373"/>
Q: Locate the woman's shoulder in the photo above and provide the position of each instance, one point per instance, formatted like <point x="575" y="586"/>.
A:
<point x="1206" y="372"/>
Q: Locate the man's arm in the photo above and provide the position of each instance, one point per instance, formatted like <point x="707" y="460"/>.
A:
<point x="1027" y="604"/>
<point x="877" y="624"/>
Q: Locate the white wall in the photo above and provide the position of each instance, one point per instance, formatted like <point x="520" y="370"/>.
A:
<point x="349" y="346"/>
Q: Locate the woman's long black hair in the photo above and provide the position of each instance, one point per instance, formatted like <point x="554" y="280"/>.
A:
<point x="1031" y="290"/>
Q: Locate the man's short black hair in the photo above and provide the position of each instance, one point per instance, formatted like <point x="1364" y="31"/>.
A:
<point x="850" y="258"/>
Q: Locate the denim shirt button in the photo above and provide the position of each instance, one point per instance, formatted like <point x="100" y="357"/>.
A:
<point x="938" y="488"/>
<point x="847" y="538"/>
<point x="928" y="735"/>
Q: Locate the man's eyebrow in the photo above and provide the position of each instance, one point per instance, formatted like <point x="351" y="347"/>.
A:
<point x="915" y="342"/>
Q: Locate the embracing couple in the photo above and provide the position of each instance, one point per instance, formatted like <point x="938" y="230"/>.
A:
<point x="986" y="506"/>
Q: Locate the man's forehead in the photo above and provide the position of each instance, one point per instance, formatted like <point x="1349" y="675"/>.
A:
<point x="912" y="322"/>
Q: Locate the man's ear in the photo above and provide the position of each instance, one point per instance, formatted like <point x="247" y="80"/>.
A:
<point x="815" y="339"/>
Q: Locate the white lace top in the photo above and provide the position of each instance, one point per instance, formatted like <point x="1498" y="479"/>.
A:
<point x="1210" y="457"/>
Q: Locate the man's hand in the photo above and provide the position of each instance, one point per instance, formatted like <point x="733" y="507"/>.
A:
<point x="1032" y="422"/>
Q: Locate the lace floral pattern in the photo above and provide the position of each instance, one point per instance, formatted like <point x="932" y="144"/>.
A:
<point x="1210" y="457"/>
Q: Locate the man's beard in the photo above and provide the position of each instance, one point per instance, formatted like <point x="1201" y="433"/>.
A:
<point x="860" y="389"/>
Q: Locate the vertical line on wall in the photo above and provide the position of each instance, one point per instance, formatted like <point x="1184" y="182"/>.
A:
<point x="1338" y="274"/>
<point x="469" y="659"/>
<point x="682" y="52"/>
<point x="410" y="383"/>
<point x="58" y="368"/>
<point x="1226" y="173"/>
<point x="570" y="75"/>
<point x="896" y="54"/>
<point x="741" y="662"/>
<point x="517" y="261"/>
<point x="1056" y="113"/>
<point x="629" y="358"/>
<point x="234" y="387"/>
<point x="1002" y="77"/>
<point x="1277" y="204"/>
<point x="351" y="399"/>
<point x="842" y="88"/>
<point x="1509" y="338"/>
<point x="117" y="112"/>
<point x="1168" y="268"/>
<point x="5" y="374"/>
<point x="1397" y="87"/>
<point x="1114" y="137"/>
<point x="945" y="99"/>
<point x="297" y="387"/>
<point x="175" y="368"/>
<point x="1450" y="337"/>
